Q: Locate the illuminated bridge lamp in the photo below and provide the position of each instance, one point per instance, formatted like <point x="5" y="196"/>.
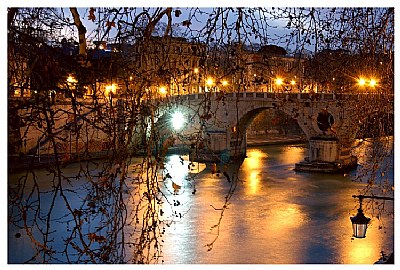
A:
<point x="177" y="120"/>
<point x="361" y="81"/>
<point x="279" y="81"/>
<point x="224" y="83"/>
<point x="210" y="82"/>
<point x="71" y="79"/>
<point x="111" y="89"/>
<point x="163" y="90"/>
<point x="372" y="83"/>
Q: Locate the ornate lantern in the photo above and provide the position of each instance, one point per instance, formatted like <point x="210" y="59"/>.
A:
<point x="360" y="223"/>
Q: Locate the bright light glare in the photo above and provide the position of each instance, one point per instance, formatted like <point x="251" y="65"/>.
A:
<point x="110" y="89"/>
<point x="372" y="83"/>
<point x="71" y="79"/>
<point x="163" y="90"/>
<point x="361" y="81"/>
<point x="177" y="120"/>
<point x="278" y="81"/>
<point x="210" y="82"/>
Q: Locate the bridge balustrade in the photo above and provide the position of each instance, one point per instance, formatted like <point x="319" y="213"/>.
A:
<point x="241" y="95"/>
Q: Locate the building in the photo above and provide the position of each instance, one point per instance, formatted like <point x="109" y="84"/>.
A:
<point x="167" y="65"/>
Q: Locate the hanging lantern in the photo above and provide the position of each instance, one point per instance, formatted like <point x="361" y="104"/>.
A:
<point x="360" y="223"/>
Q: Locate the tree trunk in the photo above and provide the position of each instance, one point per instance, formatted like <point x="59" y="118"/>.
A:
<point x="81" y="33"/>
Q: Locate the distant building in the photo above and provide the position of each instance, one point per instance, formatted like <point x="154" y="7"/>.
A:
<point x="169" y="63"/>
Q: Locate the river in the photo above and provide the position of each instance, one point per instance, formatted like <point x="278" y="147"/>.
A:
<point x="275" y="215"/>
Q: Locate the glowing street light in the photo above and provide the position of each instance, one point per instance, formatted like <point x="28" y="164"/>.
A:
<point x="293" y="82"/>
<point x="360" y="222"/>
<point x="71" y="80"/>
<point x="372" y="83"/>
<point x="110" y="89"/>
<point x="162" y="90"/>
<point x="196" y="70"/>
<point x="224" y="83"/>
<point x="278" y="82"/>
<point x="177" y="120"/>
<point x="361" y="81"/>
<point x="210" y="82"/>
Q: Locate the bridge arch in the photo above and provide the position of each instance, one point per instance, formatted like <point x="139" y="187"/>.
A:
<point x="248" y="118"/>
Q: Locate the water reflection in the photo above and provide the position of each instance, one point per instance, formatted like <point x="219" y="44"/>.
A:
<point x="275" y="216"/>
<point x="291" y="154"/>
<point x="361" y="252"/>
<point x="252" y="167"/>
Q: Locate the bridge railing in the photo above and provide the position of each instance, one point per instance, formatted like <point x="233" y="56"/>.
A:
<point x="233" y="95"/>
<point x="274" y="96"/>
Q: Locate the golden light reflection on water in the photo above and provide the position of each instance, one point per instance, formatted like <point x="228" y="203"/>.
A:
<point x="273" y="230"/>
<point x="271" y="226"/>
<point x="286" y="217"/>
<point x="292" y="155"/>
<point x="252" y="168"/>
<point x="283" y="223"/>
<point x="361" y="252"/>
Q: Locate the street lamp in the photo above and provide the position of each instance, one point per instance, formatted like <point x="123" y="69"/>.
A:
<point x="372" y="82"/>
<point x="71" y="84"/>
<point x="110" y="91"/>
<point x="209" y="83"/>
<point x="163" y="90"/>
<point x="359" y="221"/>
<point x="278" y="82"/>
<point x="361" y="81"/>
<point x="71" y="80"/>
<point x="177" y="120"/>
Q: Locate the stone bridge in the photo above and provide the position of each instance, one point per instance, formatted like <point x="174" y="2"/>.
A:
<point x="329" y="121"/>
<point x="214" y="124"/>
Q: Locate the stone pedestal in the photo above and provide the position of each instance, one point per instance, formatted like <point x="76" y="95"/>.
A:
<point x="327" y="156"/>
<point x="323" y="149"/>
<point x="220" y="146"/>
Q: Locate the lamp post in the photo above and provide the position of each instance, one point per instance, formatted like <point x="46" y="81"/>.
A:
<point x="359" y="221"/>
<point x="71" y="82"/>
<point x="278" y="83"/>
<point x="110" y="91"/>
<point x="210" y="84"/>
<point x="293" y="84"/>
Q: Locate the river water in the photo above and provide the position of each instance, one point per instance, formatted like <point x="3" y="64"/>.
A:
<point x="275" y="215"/>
